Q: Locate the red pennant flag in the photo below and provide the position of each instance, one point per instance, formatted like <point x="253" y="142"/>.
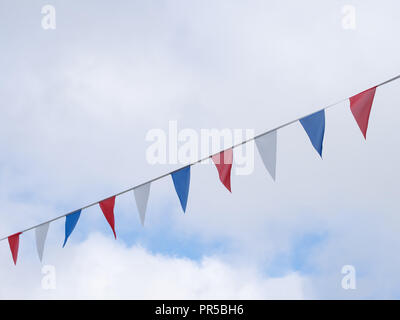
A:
<point x="223" y="162"/>
<point x="360" y="106"/>
<point x="13" y="241"/>
<point x="107" y="206"/>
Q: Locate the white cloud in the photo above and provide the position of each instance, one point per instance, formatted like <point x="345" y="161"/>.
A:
<point x="101" y="268"/>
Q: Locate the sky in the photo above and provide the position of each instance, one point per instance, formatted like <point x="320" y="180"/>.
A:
<point x="78" y="101"/>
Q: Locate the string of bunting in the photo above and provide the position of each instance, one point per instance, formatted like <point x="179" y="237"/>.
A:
<point x="313" y="124"/>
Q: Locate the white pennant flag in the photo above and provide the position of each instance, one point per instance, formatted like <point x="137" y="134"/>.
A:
<point x="141" y="196"/>
<point x="41" y="234"/>
<point x="266" y="146"/>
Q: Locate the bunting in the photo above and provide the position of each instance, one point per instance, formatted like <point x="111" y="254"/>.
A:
<point x="314" y="125"/>
<point x="41" y="234"/>
<point x="360" y="106"/>
<point x="13" y="242"/>
<point x="181" y="181"/>
<point x="266" y="146"/>
<point x="142" y="196"/>
<point x="223" y="162"/>
<point x="107" y="206"/>
<point x="70" y="222"/>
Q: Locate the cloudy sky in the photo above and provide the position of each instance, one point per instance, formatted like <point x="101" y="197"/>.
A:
<point x="78" y="101"/>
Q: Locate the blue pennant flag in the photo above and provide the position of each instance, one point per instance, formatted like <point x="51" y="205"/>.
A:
<point x="181" y="181"/>
<point x="70" y="222"/>
<point x="314" y="125"/>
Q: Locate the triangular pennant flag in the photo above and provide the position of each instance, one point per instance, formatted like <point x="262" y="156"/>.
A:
<point x="13" y="241"/>
<point x="70" y="222"/>
<point x="107" y="206"/>
<point x="314" y="125"/>
<point x="267" y="145"/>
<point x="181" y="181"/>
<point x="223" y="162"/>
<point x="41" y="234"/>
<point x="142" y="196"/>
<point x="360" y="106"/>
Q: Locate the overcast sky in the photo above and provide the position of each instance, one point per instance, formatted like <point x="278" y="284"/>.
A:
<point x="78" y="101"/>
